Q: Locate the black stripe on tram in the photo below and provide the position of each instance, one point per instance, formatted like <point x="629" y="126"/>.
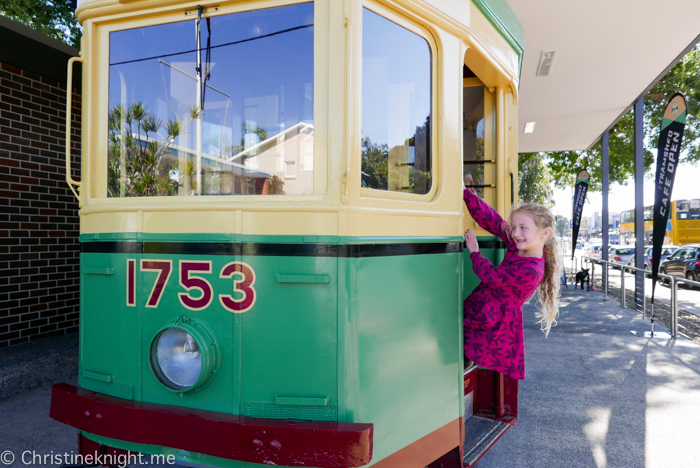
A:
<point x="492" y="244"/>
<point x="389" y="250"/>
<point x="131" y="247"/>
<point x="281" y="250"/>
<point x="292" y="250"/>
<point x="192" y="248"/>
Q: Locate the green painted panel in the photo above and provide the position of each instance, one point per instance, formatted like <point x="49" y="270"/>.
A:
<point x="393" y="358"/>
<point x="289" y="342"/>
<point x="109" y="335"/>
<point x="404" y="372"/>
<point x="503" y="18"/>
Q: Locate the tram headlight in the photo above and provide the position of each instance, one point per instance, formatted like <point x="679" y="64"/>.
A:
<point x="184" y="355"/>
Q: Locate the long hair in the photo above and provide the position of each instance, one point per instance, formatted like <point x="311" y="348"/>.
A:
<point x="549" y="288"/>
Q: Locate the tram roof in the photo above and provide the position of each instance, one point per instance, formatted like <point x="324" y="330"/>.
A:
<point x="608" y="55"/>
<point x="36" y="52"/>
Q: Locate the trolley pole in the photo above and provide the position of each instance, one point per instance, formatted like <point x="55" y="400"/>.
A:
<point x="198" y="100"/>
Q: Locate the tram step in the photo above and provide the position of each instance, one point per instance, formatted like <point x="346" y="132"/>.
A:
<point x="479" y="434"/>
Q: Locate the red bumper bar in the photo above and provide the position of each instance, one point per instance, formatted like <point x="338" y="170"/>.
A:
<point x="254" y="440"/>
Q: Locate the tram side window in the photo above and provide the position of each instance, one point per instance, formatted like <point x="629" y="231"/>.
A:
<point x="396" y="107"/>
<point x="235" y="128"/>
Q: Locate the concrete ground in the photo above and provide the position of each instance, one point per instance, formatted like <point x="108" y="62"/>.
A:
<point x="29" y="437"/>
<point x="597" y="396"/>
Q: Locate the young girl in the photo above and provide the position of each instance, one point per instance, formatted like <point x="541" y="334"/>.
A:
<point x="493" y="314"/>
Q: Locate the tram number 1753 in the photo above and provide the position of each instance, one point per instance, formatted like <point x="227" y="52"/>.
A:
<point x="192" y="278"/>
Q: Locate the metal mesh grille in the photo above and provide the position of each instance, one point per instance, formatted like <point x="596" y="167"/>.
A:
<point x="262" y="409"/>
<point x="113" y="389"/>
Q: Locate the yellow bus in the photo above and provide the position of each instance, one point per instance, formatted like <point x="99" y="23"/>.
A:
<point x="684" y="223"/>
<point x="683" y="226"/>
<point x="627" y="225"/>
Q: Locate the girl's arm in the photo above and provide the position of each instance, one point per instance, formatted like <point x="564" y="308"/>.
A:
<point x="522" y="276"/>
<point x="486" y="217"/>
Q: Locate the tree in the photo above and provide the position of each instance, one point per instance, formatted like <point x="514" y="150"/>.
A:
<point x="684" y="78"/>
<point x="535" y="183"/>
<point x="375" y="168"/>
<point x="138" y="164"/>
<point x="55" y="18"/>
<point x="563" y="226"/>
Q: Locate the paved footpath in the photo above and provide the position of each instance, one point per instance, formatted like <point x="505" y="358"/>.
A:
<point x="597" y="396"/>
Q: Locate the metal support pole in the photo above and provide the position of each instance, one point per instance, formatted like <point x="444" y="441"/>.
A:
<point x="639" y="199"/>
<point x="622" y="287"/>
<point x="674" y="308"/>
<point x="605" y="281"/>
<point x="644" y="303"/>
<point x="606" y="215"/>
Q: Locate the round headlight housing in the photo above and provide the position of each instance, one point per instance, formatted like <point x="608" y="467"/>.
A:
<point x="184" y="355"/>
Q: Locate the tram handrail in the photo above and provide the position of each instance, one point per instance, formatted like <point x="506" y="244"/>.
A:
<point x="674" y="281"/>
<point x="69" y="103"/>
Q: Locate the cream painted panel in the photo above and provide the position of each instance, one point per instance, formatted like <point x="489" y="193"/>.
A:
<point x="110" y="222"/>
<point x="457" y="9"/>
<point x="189" y="221"/>
<point x="495" y="43"/>
<point x="300" y="223"/>
<point x="360" y="224"/>
<point x="357" y="223"/>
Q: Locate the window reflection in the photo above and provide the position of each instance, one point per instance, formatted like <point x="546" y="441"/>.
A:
<point x="235" y="128"/>
<point x="396" y="107"/>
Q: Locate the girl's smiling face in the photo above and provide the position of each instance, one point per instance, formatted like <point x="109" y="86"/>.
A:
<point x="528" y="237"/>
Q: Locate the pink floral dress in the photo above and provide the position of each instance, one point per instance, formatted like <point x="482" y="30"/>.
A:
<point x="493" y="313"/>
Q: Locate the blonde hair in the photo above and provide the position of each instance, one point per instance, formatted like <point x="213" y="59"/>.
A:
<point x="549" y="288"/>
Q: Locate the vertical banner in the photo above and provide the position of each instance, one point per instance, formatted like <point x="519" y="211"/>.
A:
<point x="579" y="198"/>
<point x="670" y="139"/>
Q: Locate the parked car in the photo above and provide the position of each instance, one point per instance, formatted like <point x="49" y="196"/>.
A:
<point x="666" y="251"/>
<point x="683" y="263"/>
<point x="596" y="251"/>
<point x="622" y="255"/>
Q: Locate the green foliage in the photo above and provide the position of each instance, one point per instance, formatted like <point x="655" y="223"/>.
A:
<point x="534" y="180"/>
<point x="375" y="167"/>
<point x="51" y="17"/>
<point x="276" y="186"/>
<point x="563" y="226"/>
<point x="684" y="77"/>
<point x="137" y="163"/>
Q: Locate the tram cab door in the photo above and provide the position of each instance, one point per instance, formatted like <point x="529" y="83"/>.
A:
<point x="490" y="398"/>
<point x="479" y="161"/>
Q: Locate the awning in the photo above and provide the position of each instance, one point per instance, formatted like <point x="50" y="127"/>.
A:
<point x="607" y="54"/>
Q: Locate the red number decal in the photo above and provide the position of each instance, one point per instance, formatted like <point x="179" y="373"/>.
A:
<point x="242" y="285"/>
<point x="203" y="286"/>
<point x="164" y="269"/>
<point x="130" y="282"/>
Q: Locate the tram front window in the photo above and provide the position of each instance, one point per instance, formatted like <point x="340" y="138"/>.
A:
<point x="396" y="107"/>
<point x="228" y="116"/>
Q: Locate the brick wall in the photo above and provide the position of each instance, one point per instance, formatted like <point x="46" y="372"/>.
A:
<point x="39" y="226"/>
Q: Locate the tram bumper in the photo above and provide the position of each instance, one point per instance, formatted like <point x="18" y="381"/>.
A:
<point x="254" y="440"/>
